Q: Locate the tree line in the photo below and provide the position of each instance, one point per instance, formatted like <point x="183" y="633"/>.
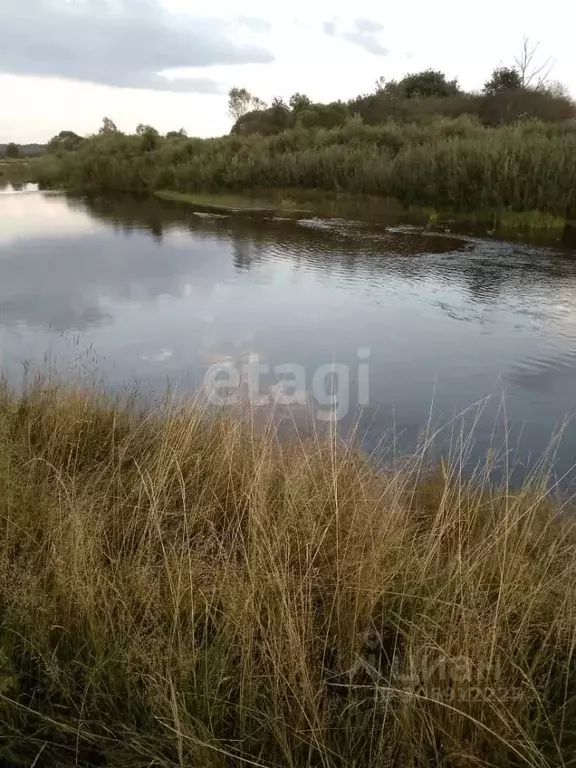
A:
<point x="522" y="90"/>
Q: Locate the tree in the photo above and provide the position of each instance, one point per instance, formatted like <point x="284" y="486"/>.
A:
<point x="508" y="105"/>
<point x="324" y="115"/>
<point x="430" y="82"/>
<point x="108" y="126"/>
<point x="380" y="84"/>
<point x="558" y="90"/>
<point x="280" y="118"/>
<point x="181" y="134"/>
<point x="12" y="150"/>
<point x="149" y="137"/>
<point x="524" y="73"/>
<point x="241" y="101"/>
<point x="503" y="79"/>
<point x="298" y="102"/>
<point x="238" y="103"/>
<point x="532" y="74"/>
<point x="393" y="88"/>
<point x="267" y="122"/>
<point x="64" y="141"/>
<point x="142" y="129"/>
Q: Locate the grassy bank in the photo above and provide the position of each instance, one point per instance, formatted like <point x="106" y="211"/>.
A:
<point x="182" y="589"/>
<point x="449" y="164"/>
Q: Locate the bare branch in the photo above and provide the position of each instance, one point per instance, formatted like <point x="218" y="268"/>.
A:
<point x="532" y="75"/>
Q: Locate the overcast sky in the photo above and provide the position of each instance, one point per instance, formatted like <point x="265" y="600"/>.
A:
<point x="64" y="64"/>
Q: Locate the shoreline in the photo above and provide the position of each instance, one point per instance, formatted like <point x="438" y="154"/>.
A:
<point x="288" y="202"/>
<point x="530" y="226"/>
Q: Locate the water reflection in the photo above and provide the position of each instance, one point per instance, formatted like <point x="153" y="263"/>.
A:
<point x="10" y="188"/>
<point x="160" y="292"/>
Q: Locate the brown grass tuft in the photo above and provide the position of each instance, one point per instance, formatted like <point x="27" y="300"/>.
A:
<point x="178" y="588"/>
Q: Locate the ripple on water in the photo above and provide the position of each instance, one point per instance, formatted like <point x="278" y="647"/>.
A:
<point x="159" y="293"/>
<point x="398" y="241"/>
<point x="545" y="372"/>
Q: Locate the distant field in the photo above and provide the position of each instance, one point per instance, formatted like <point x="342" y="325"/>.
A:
<point x="21" y="170"/>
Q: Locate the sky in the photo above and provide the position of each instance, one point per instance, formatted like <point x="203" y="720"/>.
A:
<point x="65" y="64"/>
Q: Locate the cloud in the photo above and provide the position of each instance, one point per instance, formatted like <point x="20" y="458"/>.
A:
<point x="364" y="34"/>
<point x="126" y="43"/>
<point x="369" y="27"/>
<point x="255" y="24"/>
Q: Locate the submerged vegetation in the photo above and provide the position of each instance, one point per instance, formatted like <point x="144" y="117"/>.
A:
<point x="180" y="588"/>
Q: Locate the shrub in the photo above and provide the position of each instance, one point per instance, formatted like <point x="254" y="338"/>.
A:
<point x="454" y="163"/>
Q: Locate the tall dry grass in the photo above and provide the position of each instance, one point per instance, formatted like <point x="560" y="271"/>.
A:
<point x="181" y="588"/>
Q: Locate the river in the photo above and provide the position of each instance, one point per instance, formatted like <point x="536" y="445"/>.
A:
<point x="427" y="330"/>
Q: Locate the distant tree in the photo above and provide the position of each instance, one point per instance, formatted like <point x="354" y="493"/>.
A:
<point x="390" y="88"/>
<point x="267" y="122"/>
<point x="181" y="134"/>
<point x="241" y="101"/>
<point x="279" y="117"/>
<point x="149" y="137"/>
<point x="513" y="104"/>
<point x="430" y="82"/>
<point x="146" y="129"/>
<point x="388" y="103"/>
<point x="64" y="141"/>
<point x="108" y="126"/>
<point x="557" y="90"/>
<point x="12" y="150"/>
<point x="380" y="84"/>
<point x="503" y="79"/>
<point x="324" y="115"/>
<point x="526" y="73"/>
<point x="298" y="102"/>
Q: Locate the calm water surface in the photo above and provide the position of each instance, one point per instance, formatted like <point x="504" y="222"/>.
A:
<point x="153" y="291"/>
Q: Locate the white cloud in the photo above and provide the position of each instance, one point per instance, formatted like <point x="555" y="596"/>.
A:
<point x="236" y="49"/>
<point x="364" y="32"/>
<point x="130" y="43"/>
